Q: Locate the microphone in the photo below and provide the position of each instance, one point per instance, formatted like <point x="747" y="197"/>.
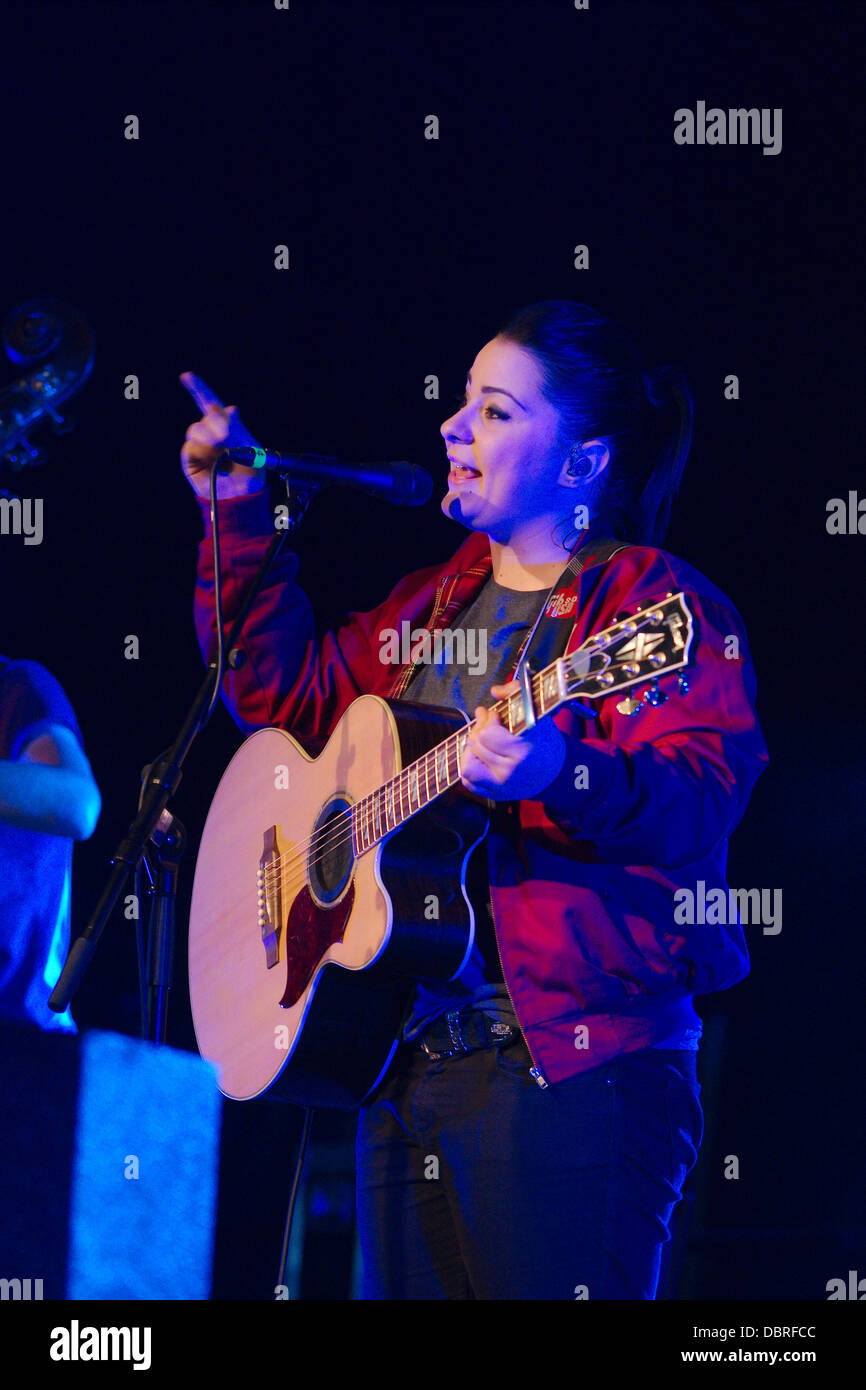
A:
<point x="401" y="483"/>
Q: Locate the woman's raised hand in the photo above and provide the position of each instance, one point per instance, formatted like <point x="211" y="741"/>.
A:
<point x="219" y="428"/>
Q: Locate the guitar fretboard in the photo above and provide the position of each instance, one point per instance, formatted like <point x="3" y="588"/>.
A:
<point x="655" y="639"/>
<point x="417" y="785"/>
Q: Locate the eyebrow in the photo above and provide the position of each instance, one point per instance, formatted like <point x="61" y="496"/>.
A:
<point x="501" y="389"/>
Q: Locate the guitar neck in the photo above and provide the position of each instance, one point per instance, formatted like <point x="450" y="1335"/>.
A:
<point x="655" y="640"/>
<point x="440" y="768"/>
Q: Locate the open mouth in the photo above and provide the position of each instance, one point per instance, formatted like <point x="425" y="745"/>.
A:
<point x="460" y="473"/>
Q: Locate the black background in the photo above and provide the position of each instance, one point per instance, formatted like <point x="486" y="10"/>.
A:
<point x="306" y="127"/>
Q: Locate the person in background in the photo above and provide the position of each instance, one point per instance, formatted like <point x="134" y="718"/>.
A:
<point x="48" y="799"/>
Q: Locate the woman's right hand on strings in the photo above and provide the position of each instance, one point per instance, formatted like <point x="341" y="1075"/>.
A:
<point x="219" y="428"/>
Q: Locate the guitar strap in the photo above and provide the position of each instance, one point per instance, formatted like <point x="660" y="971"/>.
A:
<point x="547" y="640"/>
<point x="548" y="636"/>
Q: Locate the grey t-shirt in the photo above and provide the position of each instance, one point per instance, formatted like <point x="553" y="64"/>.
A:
<point x="487" y="636"/>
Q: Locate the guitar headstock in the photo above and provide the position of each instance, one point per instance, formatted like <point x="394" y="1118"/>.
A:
<point x="657" y="638"/>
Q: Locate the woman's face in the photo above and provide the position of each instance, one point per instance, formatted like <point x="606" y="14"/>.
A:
<point x="505" y="447"/>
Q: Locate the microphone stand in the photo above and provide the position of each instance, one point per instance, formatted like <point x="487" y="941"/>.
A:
<point x="155" y="825"/>
<point x="168" y="843"/>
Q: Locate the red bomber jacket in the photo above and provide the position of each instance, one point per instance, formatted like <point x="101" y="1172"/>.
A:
<point x="582" y="880"/>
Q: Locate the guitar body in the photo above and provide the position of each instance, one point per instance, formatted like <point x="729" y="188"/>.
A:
<point x="311" y="1010"/>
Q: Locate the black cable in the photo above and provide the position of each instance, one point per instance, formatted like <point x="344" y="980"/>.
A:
<point x="142" y="952"/>
<point x="218" y="596"/>
<point x="276" y="543"/>
<point x="302" y="1149"/>
<point x="139" y="949"/>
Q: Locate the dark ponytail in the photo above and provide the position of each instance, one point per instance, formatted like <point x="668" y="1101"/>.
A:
<point x="668" y="425"/>
<point x="591" y="374"/>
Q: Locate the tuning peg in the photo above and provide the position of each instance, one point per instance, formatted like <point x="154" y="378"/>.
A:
<point x="654" y="696"/>
<point x="683" y="685"/>
<point x="61" y="424"/>
<point x="628" y="706"/>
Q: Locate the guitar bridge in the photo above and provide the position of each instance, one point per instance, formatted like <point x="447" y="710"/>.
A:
<point x="270" y="897"/>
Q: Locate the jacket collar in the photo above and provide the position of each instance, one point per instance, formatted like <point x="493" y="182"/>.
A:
<point x="465" y="573"/>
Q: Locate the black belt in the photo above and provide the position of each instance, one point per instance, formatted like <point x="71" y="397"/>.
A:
<point x="462" y="1031"/>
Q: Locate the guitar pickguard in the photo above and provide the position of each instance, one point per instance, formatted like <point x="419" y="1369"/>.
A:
<point x="309" y="931"/>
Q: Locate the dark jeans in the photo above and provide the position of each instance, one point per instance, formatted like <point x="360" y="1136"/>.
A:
<point x="473" y="1182"/>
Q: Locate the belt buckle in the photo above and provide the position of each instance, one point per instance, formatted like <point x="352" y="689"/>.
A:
<point x="452" y="1019"/>
<point x="454" y="1032"/>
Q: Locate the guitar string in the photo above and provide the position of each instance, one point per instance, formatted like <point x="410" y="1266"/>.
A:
<point x="335" y="837"/>
<point x="338" y="833"/>
<point x="275" y="869"/>
<point x="339" y="830"/>
<point x="324" y="840"/>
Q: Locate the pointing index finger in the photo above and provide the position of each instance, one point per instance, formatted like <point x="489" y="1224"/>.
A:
<point x="201" y="393"/>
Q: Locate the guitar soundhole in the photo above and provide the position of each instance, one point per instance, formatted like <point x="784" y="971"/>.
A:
<point x="331" y="851"/>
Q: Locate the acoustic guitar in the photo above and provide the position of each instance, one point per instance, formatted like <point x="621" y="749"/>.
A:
<point x="326" y="886"/>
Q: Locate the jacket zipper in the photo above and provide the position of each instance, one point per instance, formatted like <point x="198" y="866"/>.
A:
<point x="534" y="1071"/>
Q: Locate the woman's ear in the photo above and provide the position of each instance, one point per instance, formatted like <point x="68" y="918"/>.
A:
<point x="584" y="464"/>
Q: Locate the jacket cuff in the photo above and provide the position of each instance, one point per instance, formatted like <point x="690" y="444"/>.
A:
<point x="243" y="517"/>
<point x="581" y="783"/>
